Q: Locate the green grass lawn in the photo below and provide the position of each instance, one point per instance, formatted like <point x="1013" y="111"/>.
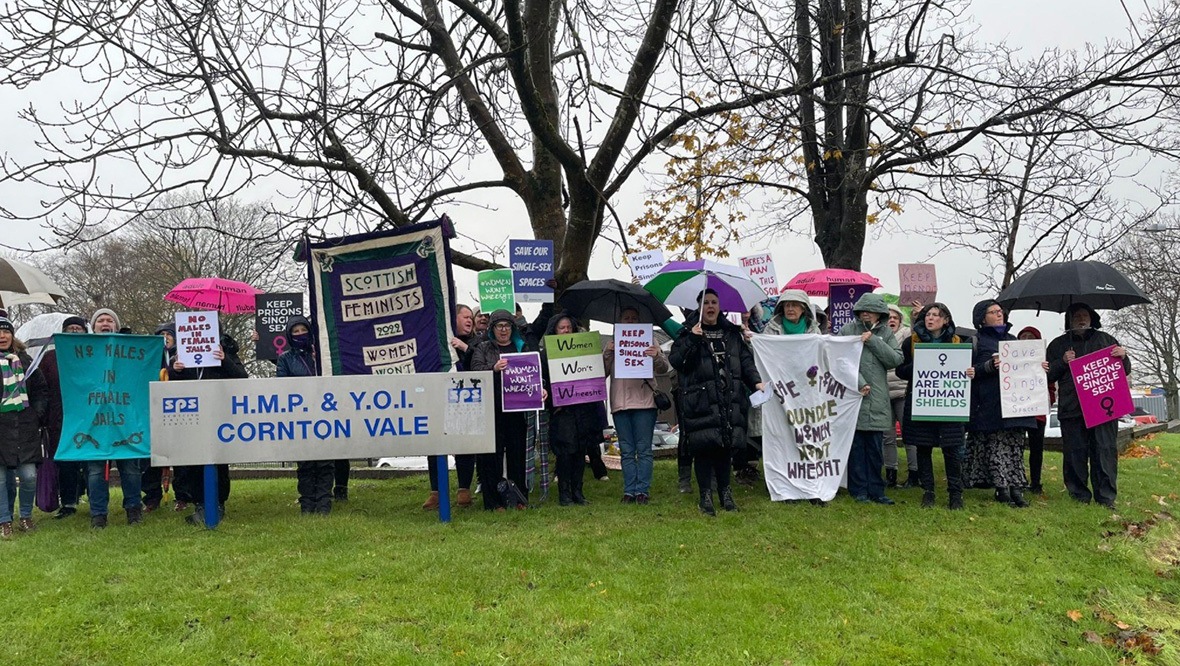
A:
<point x="381" y="581"/>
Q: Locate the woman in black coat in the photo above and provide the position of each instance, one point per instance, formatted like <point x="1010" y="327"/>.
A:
<point x="933" y="323"/>
<point x="23" y="401"/>
<point x="714" y="363"/>
<point x="995" y="445"/>
<point x="573" y="429"/>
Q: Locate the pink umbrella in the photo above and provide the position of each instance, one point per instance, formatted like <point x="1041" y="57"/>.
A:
<point x="227" y="296"/>
<point x="816" y="283"/>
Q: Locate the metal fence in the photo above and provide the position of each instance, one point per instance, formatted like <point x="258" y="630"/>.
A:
<point x="1156" y="405"/>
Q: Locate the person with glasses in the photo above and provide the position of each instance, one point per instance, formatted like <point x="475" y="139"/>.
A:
<point x="995" y="445"/>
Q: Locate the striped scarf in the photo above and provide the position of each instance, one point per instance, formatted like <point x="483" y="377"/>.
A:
<point x="14" y="397"/>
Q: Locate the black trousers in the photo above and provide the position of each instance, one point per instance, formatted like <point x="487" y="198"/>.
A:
<point x="189" y="481"/>
<point x="511" y="429"/>
<point x="597" y="466"/>
<point x="152" y="482"/>
<point x="1036" y="453"/>
<point x="71" y="482"/>
<point x="952" y="456"/>
<point x="315" y="479"/>
<point x="713" y="464"/>
<point x="340" y="472"/>
<point x="464" y="469"/>
<point x="1090" y="454"/>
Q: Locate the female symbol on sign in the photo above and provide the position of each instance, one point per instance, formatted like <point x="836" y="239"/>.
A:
<point x="280" y="343"/>
<point x="942" y="359"/>
<point x="1107" y="404"/>
<point x="198" y="357"/>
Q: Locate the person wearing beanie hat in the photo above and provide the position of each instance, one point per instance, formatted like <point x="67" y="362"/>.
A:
<point x="23" y="399"/>
<point x="1088" y="453"/>
<point x="73" y="324"/>
<point x="104" y="320"/>
<point x="1036" y="436"/>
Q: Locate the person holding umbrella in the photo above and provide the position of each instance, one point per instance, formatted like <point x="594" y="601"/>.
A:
<point x="714" y="363"/>
<point x="633" y="406"/>
<point x="1089" y="453"/>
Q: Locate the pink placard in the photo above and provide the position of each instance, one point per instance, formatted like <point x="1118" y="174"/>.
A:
<point x="919" y="282"/>
<point x="1102" y="387"/>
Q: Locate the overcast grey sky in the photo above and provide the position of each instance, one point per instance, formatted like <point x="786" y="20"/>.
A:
<point x="1028" y="25"/>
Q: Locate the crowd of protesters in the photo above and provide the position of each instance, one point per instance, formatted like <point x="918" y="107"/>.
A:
<point x="719" y="431"/>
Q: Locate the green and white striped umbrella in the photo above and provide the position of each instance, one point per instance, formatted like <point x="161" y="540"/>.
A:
<point x="680" y="283"/>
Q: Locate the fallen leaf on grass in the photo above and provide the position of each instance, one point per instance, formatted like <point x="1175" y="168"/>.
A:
<point x="1075" y="615"/>
<point x="1122" y="625"/>
<point x="1092" y="637"/>
<point x="1140" y="451"/>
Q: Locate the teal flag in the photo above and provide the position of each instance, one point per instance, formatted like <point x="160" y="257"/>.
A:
<point x="105" y="382"/>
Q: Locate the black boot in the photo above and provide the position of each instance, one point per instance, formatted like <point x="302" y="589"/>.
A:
<point x="686" y="478"/>
<point x="1016" y="500"/>
<point x="565" y="496"/>
<point x="576" y="488"/>
<point x="891" y="478"/>
<point x="1002" y="495"/>
<point x="911" y="480"/>
<point x="727" y="499"/>
<point x="928" y="499"/>
<point x="956" y="502"/>
<point x="707" y="502"/>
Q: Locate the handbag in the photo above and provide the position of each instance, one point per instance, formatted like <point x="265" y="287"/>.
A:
<point x="510" y="494"/>
<point x="663" y="402"/>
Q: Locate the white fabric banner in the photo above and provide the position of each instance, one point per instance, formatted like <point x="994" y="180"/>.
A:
<point x="808" y="424"/>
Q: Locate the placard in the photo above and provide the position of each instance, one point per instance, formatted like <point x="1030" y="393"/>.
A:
<point x="645" y="264"/>
<point x="532" y="266"/>
<point x="520" y="383"/>
<point x="271" y="312"/>
<point x="289" y="419"/>
<point x="576" y="371"/>
<point x="495" y="291"/>
<point x="841" y="299"/>
<point x="761" y="268"/>
<point x="631" y="341"/>
<point x="1024" y="385"/>
<point x="197" y="337"/>
<point x="104" y="394"/>
<point x="940" y="389"/>
<point x="918" y="283"/>
<point x="1103" y="391"/>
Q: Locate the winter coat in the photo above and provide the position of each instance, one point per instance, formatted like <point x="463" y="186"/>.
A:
<point x="775" y="325"/>
<point x="20" y="431"/>
<point x="926" y="433"/>
<point x="986" y="413"/>
<point x="880" y="355"/>
<point x="296" y="362"/>
<point x="1085" y="342"/>
<point x="572" y="427"/>
<point x="897" y="385"/>
<point x="487" y="353"/>
<point x="713" y="407"/>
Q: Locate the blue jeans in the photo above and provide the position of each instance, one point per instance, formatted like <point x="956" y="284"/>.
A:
<point x="635" y="428"/>
<point x="864" y="465"/>
<point x="28" y="491"/>
<point x="100" y="492"/>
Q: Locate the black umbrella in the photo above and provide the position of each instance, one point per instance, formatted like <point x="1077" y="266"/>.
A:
<point x="602" y="300"/>
<point x="1054" y="287"/>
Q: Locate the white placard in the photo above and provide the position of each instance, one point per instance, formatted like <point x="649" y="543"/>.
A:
<point x="197" y="337"/>
<point x="1024" y="386"/>
<point x="321" y="418"/>
<point x="940" y="389"/>
<point x="631" y="340"/>
<point x="645" y="264"/>
<point x="761" y="268"/>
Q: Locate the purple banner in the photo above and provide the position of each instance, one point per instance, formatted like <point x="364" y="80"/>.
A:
<point x="578" y="391"/>
<point x="383" y="302"/>
<point x="841" y="298"/>
<point x="1103" y="391"/>
<point x="520" y="389"/>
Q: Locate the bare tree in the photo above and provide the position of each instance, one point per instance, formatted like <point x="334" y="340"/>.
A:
<point x="131" y="268"/>
<point x="855" y="151"/>
<point x="1152" y="332"/>
<point x="368" y="129"/>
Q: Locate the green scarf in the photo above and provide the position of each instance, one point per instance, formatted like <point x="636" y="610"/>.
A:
<point x="798" y="328"/>
<point x="13" y="395"/>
